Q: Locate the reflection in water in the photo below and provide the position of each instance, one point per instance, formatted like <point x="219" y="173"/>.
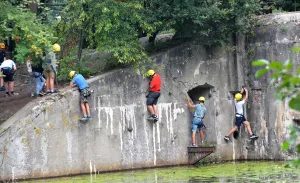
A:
<point x="257" y="172"/>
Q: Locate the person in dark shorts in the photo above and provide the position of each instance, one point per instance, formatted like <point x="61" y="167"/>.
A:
<point x="154" y="93"/>
<point x="79" y="81"/>
<point x="2" y="58"/>
<point x="239" y="116"/>
<point x="8" y="68"/>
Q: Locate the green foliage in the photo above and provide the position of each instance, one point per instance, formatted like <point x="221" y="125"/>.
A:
<point x="108" y="26"/>
<point x="287" y="87"/>
<point x="31" y="37"/>
<point x="212" y="20"/>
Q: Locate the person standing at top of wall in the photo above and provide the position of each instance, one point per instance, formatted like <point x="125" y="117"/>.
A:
<point x="8" y="67"/>
<point x="36" y="72"/>
<point x="79" y="81"/>
<point x="51" y="66"/>
<point x="197" y="123"/>
<point x="2" y="58"/>
<point x="154" y="93"/>
<point x="239" y="116"/>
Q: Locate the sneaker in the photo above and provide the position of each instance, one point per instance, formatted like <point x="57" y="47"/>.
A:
<point x="2" y="88"/>
<point x="226" y="138"/>
<point x="193" y="145"/>
<point x="40" y="94"/>
<point x="89" y="117"/>
<point x="253" y="136"/>
<point x="84" y="118"/>
<point x="7" y="95"/>
<point x="32" y="95"/>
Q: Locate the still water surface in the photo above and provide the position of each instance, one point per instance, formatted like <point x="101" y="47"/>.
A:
<point x="254" y="172"/>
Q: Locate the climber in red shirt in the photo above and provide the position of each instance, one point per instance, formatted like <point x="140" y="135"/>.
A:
<point x="154" y="93"/>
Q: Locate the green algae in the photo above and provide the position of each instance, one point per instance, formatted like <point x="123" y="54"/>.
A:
<point x="228" y="172"/>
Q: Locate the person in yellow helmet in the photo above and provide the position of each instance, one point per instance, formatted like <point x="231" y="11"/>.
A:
<point x="197" y="122"/>
<point x="154" y="93"/>
<point x="79" y="81"/>
<point x="239" y="116"/>
<point x="51" y="66"/>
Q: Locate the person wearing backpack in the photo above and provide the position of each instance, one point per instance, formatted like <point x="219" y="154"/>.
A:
<point x="8" y="68"/>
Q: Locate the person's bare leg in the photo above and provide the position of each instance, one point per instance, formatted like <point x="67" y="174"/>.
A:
<point x="11" y="86"/>
<point x="6" y="87"/>
<point x="87" y="106"/>
<point x="1" y="81"/>
<point x="201" y="133"/>
<point x="232" y="130"/>
<point x="83" y="109"/>
<point x="150" y="109"/>
<point x="47" y="81"/>
<point x="155" y="110"/>
<point x="51" y="83"/>
<point x="194" y="137"/>
<point x="247" y="124"/>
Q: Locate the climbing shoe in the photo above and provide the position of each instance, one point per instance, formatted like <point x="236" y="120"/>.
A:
<point x="84" y="118"/>
<point x="253" y="136"/>
<point x="226" y="138"/>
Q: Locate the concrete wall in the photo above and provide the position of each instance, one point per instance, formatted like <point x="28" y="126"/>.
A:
<point x="46" y="139"/>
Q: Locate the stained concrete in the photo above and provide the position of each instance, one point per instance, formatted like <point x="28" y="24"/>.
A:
<point x="45" y="138"/>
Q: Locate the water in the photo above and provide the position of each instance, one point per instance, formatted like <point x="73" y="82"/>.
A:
<point x="253" y="172"/>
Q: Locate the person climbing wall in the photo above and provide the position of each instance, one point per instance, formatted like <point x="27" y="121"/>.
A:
<point x="239" y="116"/>
<point x="154" y="93"/>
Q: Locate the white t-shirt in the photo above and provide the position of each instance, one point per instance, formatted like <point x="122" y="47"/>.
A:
<point x="239" y="107"/>
<point x="8" y="63"/>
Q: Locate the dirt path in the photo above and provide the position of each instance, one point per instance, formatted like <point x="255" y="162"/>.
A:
<point x="10" y="105"/>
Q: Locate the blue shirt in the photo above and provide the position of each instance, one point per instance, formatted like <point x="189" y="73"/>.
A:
<point x="199" y="111"/>
<point x="80" y="81"/>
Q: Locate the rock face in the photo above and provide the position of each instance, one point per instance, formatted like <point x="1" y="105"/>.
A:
<point x="46" y="139"/>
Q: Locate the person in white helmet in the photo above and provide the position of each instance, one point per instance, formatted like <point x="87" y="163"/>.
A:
<point x="239" y="116"/>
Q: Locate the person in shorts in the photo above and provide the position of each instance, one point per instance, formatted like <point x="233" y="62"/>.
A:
<point x="79" y="81"/>
<point x="154" y="93"/>
<point x="197" y="122"/>
<point x="8" y="68"/>
<point x="239" y="116"/>
<point x="51" y="66"/>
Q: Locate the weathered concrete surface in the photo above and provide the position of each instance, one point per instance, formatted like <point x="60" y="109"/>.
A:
<point x="45" y="138"/>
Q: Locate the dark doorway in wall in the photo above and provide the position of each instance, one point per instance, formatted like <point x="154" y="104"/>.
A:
<point x="206" y="90"/>
<point x="201" y="90"/>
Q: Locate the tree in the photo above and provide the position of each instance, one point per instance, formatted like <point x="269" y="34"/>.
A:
<point x="212" y="20"/>
<point x="288" y="87"/>
<point x="30" y="35"/>
<point x="108" y="26"/>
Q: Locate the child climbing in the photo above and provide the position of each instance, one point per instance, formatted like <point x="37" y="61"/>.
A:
<point x="79" y="81"/>
<point x="239" y="116"/>
<point x="197" y="123"/>
<point x="154" y="93"/>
